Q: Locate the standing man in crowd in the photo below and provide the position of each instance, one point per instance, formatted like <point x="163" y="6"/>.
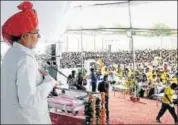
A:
<point x="104" y="87"/>
<point x="73" y="74"/>
<point x="71" y="80"/>
<point x="167" y="103"/>
<point x="79" y="82"/>
<point x="93" y="78"/>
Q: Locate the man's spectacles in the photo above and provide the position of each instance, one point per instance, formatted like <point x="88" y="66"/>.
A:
<point x="37" y="32"/>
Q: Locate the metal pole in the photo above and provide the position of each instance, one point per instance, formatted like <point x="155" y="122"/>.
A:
<point x="82" y="50"/>
<point x="86" y="48"/>
<point x="131" y="40"/>
<point x="131" y="37"/>
<point x="161" y="46"/>
<point x="67" y="43"/>
<point x="102" y="44"/>
<point x="78" y="44"/>
<point x="94" y="41"/>
<point x="82" y="45"/>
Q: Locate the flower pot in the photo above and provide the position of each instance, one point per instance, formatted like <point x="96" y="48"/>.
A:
<point x="138" y="99"/>
<point x="134" y="99"/>
<point x="131" y="98"/>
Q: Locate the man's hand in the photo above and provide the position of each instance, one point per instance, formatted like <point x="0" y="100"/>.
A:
<point x="55" y="84"/>
<point x="43" y="72"/>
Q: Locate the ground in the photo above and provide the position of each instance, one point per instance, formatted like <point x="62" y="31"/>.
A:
<point x="144" y="112"/>
<point x="124" y="111"/>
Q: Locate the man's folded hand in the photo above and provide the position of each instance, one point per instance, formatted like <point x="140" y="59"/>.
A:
<point x="43" y="72"/>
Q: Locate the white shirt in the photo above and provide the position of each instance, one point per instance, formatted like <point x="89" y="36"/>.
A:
<point x="143" y="85"/>
<point x="23" y="91"/>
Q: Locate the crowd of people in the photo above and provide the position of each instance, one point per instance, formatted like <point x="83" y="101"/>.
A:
<point x="154" y="69"/>
<point x="155" y="72"/>
<point x="72" y="59"/>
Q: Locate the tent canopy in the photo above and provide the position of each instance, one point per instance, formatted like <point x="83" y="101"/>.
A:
<point x="57" y="16"/>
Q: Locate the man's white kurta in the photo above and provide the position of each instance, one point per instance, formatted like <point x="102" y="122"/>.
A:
<point x="23" y="91"/>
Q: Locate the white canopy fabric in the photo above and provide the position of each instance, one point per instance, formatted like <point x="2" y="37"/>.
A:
<point x="57" y="16"/>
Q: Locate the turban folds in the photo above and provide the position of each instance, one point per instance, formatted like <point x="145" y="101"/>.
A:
<point x="22" y="22"/>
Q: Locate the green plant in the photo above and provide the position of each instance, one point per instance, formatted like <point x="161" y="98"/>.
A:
<point x="98" y="101"/>
<point x="88" y="112"/>
<point x="83" y="72"/>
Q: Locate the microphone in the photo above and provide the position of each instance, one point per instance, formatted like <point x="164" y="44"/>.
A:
<point x="83" y="88"/>
<point x="57" y="70"/>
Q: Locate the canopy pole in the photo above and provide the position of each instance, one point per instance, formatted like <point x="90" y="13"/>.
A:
<point x="78" y="44"/>
<point x="82" y="60"/>
<point x="102" y="44"/>
<point x="132" y="42"/>
<point x="67" y="43"/>
<point x="82" y="54"/>
<point x="94" y="36"/>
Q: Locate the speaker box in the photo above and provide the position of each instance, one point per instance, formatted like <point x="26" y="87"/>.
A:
<point x="53" y="52"/>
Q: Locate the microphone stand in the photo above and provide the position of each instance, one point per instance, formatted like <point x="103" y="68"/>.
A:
<point x="75" y="84"/>
<point x="67" y="78"/>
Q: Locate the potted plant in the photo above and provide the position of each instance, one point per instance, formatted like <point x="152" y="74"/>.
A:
<point x="84" y="71"/>
<point x="135" y="95"/>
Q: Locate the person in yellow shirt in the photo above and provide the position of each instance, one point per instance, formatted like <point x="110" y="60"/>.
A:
<point x="167" y="103"/>
<point x="149" y="75"/>
<point x="164" y="77"/>
<point x="106" y="72"/>
<point x="119" y="73"/>
<point x="174" y="79"/>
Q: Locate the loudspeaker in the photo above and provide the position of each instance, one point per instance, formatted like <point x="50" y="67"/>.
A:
<point x="52" y="61"/>
<point x="109" y="48"/>
<point x="53" y="52"/>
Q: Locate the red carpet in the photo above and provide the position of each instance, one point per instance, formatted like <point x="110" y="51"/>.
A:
<point x="144" y="112"/>
<point x="123" y="111"/>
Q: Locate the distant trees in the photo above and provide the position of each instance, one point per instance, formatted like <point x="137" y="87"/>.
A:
<point x="161" y="29"/>
<point x="160" y="32"/>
